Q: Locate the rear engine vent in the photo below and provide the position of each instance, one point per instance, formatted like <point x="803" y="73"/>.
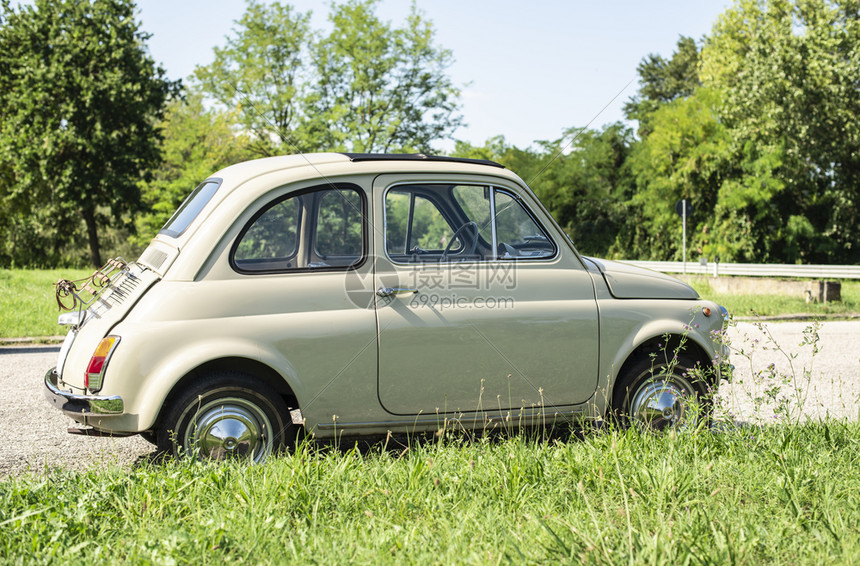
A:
<point x="153" y="258"/>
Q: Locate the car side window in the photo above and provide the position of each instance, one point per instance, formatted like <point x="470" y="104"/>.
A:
<point x="416" y="227"/>
<point x="338" y="231"/>
<point x="518" y="234"/>
<point x="460" y="223"/>
<point x="316" y="229"/>
<point x="271" y="241"/>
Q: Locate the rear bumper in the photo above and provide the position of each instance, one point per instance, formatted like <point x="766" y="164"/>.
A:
<point x="76" y="406"/>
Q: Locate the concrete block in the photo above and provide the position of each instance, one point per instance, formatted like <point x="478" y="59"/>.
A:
<point x="814" y="291"/>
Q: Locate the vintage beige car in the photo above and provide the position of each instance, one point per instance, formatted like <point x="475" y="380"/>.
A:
<point x="357" y="294"/>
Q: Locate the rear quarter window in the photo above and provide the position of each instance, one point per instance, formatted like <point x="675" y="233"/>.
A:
<point x="189" y="209"/>
<point x="321" y="228"/>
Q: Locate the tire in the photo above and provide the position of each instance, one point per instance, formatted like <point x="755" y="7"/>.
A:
<point x="150" y="436"/>
<point x="656" y="394"/>
<point x="227" y="415"/>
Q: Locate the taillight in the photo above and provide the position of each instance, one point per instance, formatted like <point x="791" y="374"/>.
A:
<point x="98" y="363"/>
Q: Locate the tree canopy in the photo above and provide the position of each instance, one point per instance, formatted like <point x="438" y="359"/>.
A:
<point x="196" y="142"/>
<point x="755" y="124"/>
<point x="788" y="73"/>
<point x="79" y="94"/>
<point x="663" y="80"/>
<point x="365" y="86"/>
<point x="263" y="73"/>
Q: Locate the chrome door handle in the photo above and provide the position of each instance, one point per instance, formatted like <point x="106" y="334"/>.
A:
<point x="391" y="291"/>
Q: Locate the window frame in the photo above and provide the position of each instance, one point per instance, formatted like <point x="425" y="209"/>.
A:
<point x="519" y="200"/>
<point x="165" y="231"/>
<point x="413" y="196"/>
<point x="301" y="237"/>
<point x="451" y="184"/>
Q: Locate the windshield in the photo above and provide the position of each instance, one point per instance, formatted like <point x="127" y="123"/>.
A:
<point x="189" y="210"/>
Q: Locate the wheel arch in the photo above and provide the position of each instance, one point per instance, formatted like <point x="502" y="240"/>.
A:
<point x="174" y="375"/>
<point x="666" y="343"/>
<point x="239" y="364"/>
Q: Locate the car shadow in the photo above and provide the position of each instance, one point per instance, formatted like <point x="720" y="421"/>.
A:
<point x="29" y="349"/>
<point x="399" y="445"/>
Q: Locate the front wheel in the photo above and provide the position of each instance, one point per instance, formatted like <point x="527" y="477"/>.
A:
<point x="657" y="395"/>
<point x="227" y="415"/>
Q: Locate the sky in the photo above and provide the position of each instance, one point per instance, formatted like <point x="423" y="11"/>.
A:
<point x="527" y="70"/>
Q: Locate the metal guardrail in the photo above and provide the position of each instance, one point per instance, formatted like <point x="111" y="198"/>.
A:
<point x="754" y="269"/>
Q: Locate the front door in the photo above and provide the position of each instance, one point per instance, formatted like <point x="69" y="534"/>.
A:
<point x="479" y="306"/>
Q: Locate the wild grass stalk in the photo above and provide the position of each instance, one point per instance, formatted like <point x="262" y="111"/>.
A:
<point x="787" y="493"/>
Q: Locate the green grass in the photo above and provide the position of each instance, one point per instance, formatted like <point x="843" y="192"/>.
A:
<point x="27" y="303"/>
<point x="786" y="494"/>
<point x="770" y="305"/>
<point x="28" y="307"/>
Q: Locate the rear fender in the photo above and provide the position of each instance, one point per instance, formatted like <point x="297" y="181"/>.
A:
<point x="170" y="371"/>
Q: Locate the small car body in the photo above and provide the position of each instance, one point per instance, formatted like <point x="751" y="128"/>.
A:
<point x="361" y="294"/>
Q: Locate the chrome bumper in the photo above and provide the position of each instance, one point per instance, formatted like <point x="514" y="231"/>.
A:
<point x="77" y="405"/>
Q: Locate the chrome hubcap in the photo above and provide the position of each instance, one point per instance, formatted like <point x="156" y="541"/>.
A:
<point x="662" y="402"/>
<point x="229" y="428"/>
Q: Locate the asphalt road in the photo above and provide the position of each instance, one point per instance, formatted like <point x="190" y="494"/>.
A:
<point x="33" y="437"/>
<point x="814" y="385"/>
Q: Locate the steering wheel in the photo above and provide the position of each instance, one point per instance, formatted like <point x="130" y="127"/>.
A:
<point x="453" y="239"/>
<point x="507" y="251"/>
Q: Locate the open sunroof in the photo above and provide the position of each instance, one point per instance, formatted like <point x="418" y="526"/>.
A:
<point x="417" y="157"/>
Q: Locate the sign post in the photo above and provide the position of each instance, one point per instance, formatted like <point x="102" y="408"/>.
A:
<point x="684" y="209"/>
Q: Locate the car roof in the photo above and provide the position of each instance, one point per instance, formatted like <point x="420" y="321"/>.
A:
<point x="325" y="165"/>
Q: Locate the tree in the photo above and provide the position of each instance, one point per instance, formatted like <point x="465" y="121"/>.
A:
<point x="527" y="163"/>
<point x="789" y="76"/>
<point x="685" y="156"/>
<point x="79" y="95"/>
<point x="661" y="81"/>
<point x="195" y="143"/>
<point x="382" y="89"/>
<point x="587" y="183"/>
<point x="264" y="73"/>
<point x="582" y="179"/>
<point x="365" y="86"/>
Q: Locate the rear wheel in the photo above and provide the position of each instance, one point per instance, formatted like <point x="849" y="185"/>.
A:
<point x="227" y="415"/>
<point x="658" y="394"/>
<point x="150" y="436"/>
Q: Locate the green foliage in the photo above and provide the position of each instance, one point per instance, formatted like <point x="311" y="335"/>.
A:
<point x="195" y="142"/>
<point x="263" y="73"/>
<point x="338" y="230"/>
<point x="79" y="94"/>
<point x="661" y="81"/>
<point x="430" y="230"/>
<point x="684" y="157"/>
<point x="581" y="178"/>
<point x="788" y="72"/>
<point x="365" y="86"/>
<point x="527" y="163"/>
<point x="587" y="185"/>
<point x="776" y="494"/>
<point x="757" y="129"/>
<point x="381" y="89"/>
<point x="274" y="234"/>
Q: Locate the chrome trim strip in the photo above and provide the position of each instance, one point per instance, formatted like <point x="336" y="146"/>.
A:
<point x="495" y="236"/>
<point x="77" y="405"/>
